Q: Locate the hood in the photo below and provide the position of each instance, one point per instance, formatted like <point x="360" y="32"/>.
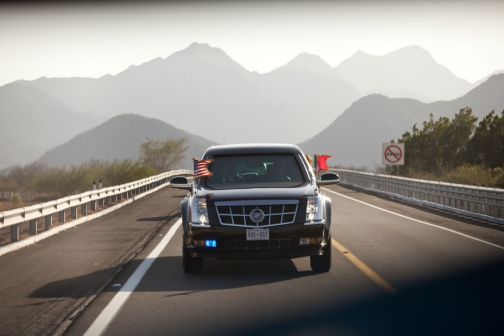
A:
<point x="306" y="189"/>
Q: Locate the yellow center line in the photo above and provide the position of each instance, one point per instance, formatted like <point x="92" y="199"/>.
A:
<point x="364" y="268"/>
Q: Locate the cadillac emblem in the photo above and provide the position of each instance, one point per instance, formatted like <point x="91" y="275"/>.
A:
<point x="257" y="215"/>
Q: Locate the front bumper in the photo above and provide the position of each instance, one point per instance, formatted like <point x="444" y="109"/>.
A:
<point x="231" y="241"/>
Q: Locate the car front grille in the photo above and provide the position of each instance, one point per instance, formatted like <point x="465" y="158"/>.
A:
<point x="240" y="213"/>
<point x="273" y="244"/>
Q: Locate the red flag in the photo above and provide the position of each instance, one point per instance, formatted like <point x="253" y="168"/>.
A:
<point x="321" y="162"/>
<point x="201" y="168"/>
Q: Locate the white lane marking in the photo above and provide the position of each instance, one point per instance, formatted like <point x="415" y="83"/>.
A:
<point x="107" y="315"/>
<point x="417" y="220"/>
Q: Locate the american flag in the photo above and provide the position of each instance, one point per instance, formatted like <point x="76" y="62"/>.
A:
<point x="201" y="168"/>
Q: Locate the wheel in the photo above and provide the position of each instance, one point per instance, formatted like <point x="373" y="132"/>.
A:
<point x="322" y="263"/>
<point x="191" y="265"/>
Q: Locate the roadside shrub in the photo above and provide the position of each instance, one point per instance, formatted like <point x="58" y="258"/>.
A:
<point x="472" y="175"/>
<point x="16" y="199"/>
<point x="120" y="172"/>
<point x="60" y="182"/>
<point x="498" y="174"/>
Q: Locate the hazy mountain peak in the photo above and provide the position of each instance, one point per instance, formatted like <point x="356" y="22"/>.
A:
<point x="481" y="81"/>
<point x="361" y="52"/>
<point x="410" y="49"/>
<point x="208" y="54"/>
<point x="307" y="62"/>
<point x="408" y="72"/>
<point x="414" y="52"/>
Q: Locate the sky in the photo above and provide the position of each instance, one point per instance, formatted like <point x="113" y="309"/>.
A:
<point x="95" y="38"/>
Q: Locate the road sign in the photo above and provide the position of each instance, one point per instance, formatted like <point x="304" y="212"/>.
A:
<point x="393" y="154"/>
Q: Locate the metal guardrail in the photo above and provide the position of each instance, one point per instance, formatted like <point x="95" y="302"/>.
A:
<point x="479" y="202"/>
<point x="93" y="199"/>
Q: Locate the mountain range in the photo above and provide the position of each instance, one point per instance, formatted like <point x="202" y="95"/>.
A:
<point x="32" y="122"/>
<point x="355" y="137"/>
<point x="410" y="72"/>
<point x="120" y="138"/>
<point x="204" y="92"/>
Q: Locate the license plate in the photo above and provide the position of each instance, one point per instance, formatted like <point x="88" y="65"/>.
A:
<point x="257" y="234"/>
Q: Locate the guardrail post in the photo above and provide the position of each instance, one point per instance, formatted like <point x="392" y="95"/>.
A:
<point x="107" y="200"/>
<point x="73" y="212"/>
<point x="101" y="201"/>
<point x="93" y="205"/>
<point x="48" y="221"/>
<point x="33" y="227"/>
<point x="14" y="233"/>
<point x="84" y="209"/>
<point x="61" y="216"/>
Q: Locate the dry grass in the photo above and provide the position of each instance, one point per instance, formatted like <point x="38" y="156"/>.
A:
<point x="6" y="205"/>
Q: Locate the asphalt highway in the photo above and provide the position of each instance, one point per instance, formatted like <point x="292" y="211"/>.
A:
<point x="397" y="269"/>
<point x="43" y="285"/>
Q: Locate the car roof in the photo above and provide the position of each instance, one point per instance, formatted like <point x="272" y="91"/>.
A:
<point x="252" y="148"/>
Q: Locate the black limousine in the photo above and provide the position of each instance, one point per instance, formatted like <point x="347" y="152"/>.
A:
<point x="261" y="201"/>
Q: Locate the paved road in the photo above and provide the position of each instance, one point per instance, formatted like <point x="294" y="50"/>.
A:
<point x="397" y="269"/>
<point x="41" y="285"/>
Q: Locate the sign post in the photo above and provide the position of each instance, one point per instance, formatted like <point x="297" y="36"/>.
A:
<point x="393" y="154"/>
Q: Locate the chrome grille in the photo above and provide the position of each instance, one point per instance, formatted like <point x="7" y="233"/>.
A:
<point x="276" y="212"/>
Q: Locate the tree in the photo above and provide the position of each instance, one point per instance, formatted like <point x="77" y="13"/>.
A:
<point x="60" y="182"/>
<point x="440" y="145"/>
<point x="21" y="178"/>
<point x="163" y="155"/>
<point x="120" y="172"/>
<point x="486" y="147"/>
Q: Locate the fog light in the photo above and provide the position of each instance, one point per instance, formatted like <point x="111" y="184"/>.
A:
<point x="311" y="216"/>
<point x="211" y="243"/>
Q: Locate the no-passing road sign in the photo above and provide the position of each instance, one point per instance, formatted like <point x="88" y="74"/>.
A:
<point x="393" y="154"/>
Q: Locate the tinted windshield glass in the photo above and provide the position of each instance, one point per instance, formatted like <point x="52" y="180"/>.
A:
<point x="261" y="171"/>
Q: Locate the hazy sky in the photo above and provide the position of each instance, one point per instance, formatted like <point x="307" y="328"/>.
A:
<point x="94" y="38"/>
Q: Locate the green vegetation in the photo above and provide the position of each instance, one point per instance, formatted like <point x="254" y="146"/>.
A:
<point x="163" y="155"/>
<point x="16" y="199"/>
<point x="456" y="150"/>
<point x="56" y="182"/>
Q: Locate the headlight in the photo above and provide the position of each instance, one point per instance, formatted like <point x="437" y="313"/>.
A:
<point x="313" y="209"/>
<point x="199" y="211"/>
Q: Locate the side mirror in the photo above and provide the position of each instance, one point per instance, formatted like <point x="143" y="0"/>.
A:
<point x="328" y="178"/>
<point x="180" y="182"/>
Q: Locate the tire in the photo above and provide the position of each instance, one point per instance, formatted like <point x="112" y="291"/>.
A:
<point x="191" y="265"/>
<point x="322" y="263"/>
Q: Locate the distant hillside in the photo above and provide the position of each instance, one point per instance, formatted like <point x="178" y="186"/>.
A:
<point x="409" y="72"/>
<point x="481" y="81"/>
<point x="32" y="122"/>
<point x="202" y="90"/>
<point x="355" y="137"/>
<point x="120" y="138"/>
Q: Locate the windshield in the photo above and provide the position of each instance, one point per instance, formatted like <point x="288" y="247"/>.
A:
<point x="258" y="171"/>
